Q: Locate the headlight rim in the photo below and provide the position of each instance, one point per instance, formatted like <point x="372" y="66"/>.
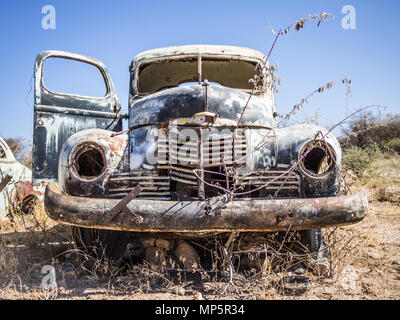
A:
<point x="78" y="151"/>
<point x="327" y="149"/>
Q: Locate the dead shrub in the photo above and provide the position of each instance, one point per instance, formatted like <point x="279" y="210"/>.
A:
<point x="27" y="242"/>
<point x="394" y="144"/>
<point x="342" y="245"/>
<point x="367" y="129"/>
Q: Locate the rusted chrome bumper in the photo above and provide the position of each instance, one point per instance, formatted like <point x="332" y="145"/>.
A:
<point x="207" y="216"/>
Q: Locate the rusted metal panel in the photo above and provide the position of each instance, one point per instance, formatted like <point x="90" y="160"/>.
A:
<point x="122" y="206"/>
<point x="75" y="172"/>
<point x="214" y="215"/>
<point x="180" y="102"/>
<point x="15" y="181"/>
<point x="186" y="101"/>
<point x="203" y="56"/>
<point x="153" y="185"/>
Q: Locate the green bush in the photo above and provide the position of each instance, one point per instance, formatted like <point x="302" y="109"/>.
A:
<point x="358" y="159"/>
<point x="394" y="144"/>
<point x="367" y="138"/>
<point x="368" y="129"/>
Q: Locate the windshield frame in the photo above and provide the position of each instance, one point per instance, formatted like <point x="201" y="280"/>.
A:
<point x="136" y="68"/>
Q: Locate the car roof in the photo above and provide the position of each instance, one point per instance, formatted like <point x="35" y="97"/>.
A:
<point x="211" y="50"/>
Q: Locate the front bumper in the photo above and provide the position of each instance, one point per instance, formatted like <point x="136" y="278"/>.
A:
<point x="213" y="215"/>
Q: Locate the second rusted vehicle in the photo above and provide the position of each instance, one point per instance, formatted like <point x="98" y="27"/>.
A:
<point x="203" y="152"/>
<point x="16" y="192"/>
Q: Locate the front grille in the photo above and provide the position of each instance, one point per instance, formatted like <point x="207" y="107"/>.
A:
<point x="206" y="152"/>
<point x="153" y="186"/>
<point x="273" y="183"/>
<point x="213" y="154"/>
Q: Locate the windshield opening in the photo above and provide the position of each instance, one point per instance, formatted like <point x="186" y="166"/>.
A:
<point x="170" y="73"/>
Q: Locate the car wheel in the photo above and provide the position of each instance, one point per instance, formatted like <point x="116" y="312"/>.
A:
<point x="115" y="246"/>
<point x="313" y="240"/>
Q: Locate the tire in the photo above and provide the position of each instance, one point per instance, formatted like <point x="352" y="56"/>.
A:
<point x="313" y="241"/>
<point x="115" y="246"/>
<point x="317" y="250"/>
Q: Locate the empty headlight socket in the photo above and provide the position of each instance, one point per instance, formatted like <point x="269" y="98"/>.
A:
<point x="88" y="161"/>
<point x="317" y="159"/>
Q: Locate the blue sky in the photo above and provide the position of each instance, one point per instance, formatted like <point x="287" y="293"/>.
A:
<point x="115" y="31"/>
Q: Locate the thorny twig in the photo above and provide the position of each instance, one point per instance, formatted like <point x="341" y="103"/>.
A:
<point x="229" y="261"/>
<point x="271" y="69"/>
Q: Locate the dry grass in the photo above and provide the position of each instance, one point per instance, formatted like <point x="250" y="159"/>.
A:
<point x="382" y="173"/>
<point x="27" y="242"/>
<point x="258" y="263"/>
<point x="248" y="266"/>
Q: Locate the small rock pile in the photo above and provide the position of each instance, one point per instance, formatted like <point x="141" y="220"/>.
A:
<point x="169" y="252"/>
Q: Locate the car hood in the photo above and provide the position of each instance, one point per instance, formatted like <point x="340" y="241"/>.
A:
<point x="186" y="101"/>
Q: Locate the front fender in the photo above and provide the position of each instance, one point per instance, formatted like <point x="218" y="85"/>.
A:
<point x="112" y="149"/>
<point x="282" y="146"/>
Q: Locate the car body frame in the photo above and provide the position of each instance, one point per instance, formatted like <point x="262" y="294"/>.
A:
<point x="203" y="152"/>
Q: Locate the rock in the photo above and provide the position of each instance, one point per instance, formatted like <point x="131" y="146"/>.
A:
<point x="250" y="261"/>
<point x="375" y="255"/>
<point x="299" y="271"/>
<point x="390" y="193"/>
<point x="187" y="255"/>
<point x="349" y="278"/>
<point x="294" y="285"/>
<point x="179" y="291"/>
<point x="321" y="268"/>
<point x="166" y="244"/>
<point x="134" y="249"/>
<point x="148" y="242"/>
<point x="198" y="296"/>
<point x="155" y="256"/>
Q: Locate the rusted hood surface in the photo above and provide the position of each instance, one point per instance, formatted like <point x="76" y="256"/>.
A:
<point x="186" y="101"/>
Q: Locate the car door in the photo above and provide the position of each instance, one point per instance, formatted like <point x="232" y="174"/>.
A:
<point x="58" y="115"/>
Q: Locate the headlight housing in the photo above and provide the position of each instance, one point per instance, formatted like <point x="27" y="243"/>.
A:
<point x="88" y="161"/>
<point x="317" y="159"/>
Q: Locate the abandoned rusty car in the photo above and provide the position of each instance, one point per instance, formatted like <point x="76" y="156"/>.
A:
<point x="17" y="194"/>
<point x="202" y="153"/>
